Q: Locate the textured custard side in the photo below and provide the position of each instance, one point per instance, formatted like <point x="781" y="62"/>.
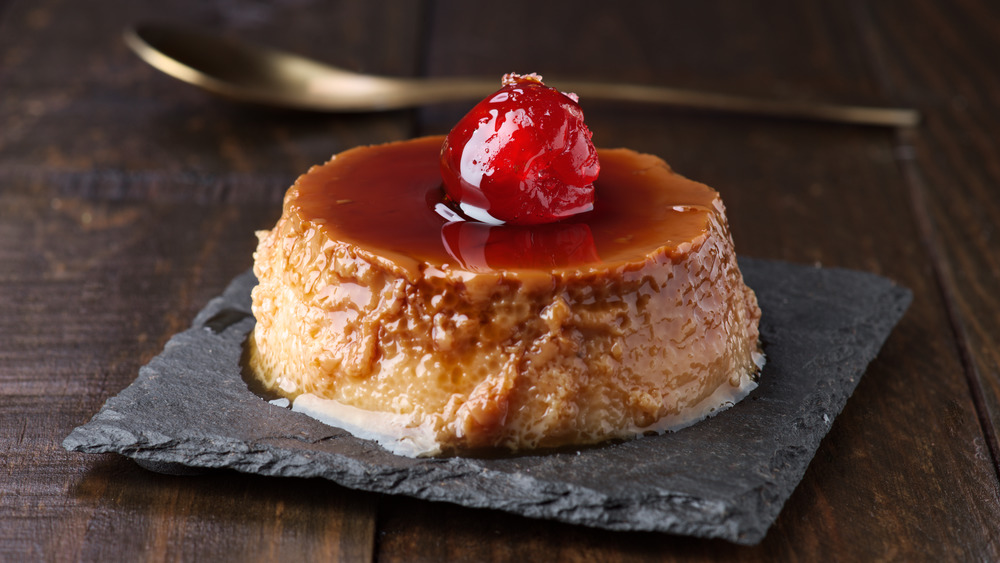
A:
<point x="516" y="359"/>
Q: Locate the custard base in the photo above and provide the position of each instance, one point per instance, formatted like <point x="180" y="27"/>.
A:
<point x="516" y="359"/>
<point x="502" y="359"/>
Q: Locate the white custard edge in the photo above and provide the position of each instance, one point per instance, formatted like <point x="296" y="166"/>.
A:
<point x="724" y="397"/>
<point x="390" y="430"/>
<point x="395" y="433"/>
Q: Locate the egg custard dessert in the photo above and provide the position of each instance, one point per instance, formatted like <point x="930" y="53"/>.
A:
<point x="507" y="286"/>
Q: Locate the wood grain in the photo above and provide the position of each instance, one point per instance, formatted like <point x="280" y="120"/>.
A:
<point x="127" y="200"/>
<point x="97" y="122"/>
<point x="952" y="169"/>
<point x="220" y="516"/>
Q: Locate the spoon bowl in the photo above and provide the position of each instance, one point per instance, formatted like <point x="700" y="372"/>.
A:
<point x="250" y="73"/>
<point x="259" y="75"/>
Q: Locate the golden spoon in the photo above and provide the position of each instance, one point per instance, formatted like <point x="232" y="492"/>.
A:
<point x="259" y="75"/>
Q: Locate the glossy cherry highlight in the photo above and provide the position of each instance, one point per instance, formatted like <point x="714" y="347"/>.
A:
<point x="521" y="156"/>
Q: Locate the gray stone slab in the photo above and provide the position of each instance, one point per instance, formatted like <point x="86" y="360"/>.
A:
<point x="726" y="477"/>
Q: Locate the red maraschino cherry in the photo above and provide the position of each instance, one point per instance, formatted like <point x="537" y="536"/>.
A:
<point x="522" y="156"/>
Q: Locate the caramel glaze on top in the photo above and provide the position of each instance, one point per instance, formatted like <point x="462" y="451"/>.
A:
<point x="641" y="206"/>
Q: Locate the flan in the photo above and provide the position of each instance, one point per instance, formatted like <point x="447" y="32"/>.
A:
<point x="381" y="310"/>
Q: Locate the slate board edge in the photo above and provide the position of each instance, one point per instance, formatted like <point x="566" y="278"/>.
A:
<point x="800" y="455"/>
<point x="743" y="522"/>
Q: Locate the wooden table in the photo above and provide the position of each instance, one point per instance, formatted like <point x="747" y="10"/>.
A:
<point x="128" y="199"/>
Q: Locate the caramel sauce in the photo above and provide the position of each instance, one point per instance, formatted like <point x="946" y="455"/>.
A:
<point x="388" y="199"/>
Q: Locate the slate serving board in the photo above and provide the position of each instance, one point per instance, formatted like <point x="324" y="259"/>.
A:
<point x="726" y="477"/>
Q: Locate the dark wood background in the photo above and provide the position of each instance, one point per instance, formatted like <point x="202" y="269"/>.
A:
<point x="128" y="199"/>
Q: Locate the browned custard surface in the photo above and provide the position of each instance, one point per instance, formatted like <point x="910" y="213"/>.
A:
<point x="613" y="322"/>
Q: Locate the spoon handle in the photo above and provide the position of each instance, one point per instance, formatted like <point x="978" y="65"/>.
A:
<point x="678" y="97"/>
<point x="438" y="90"/>
<point x="255" y="74"/>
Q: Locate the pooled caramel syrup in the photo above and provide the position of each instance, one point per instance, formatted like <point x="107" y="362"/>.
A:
<point x="389" y="200"/>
